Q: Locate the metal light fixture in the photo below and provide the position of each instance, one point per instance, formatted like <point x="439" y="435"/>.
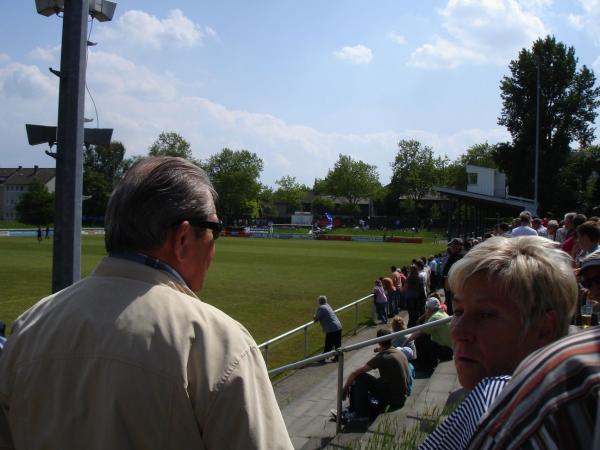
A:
<point x="101" y="10"/>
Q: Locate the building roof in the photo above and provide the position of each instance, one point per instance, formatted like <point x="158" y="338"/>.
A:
<point x="521" y="204"/>
<point x="25" y="176"/>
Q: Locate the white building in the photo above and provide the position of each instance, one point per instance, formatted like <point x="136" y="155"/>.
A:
<point x="15" y="182"/>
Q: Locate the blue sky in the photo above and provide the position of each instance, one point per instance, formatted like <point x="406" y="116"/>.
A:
<point x="297" y="82"/>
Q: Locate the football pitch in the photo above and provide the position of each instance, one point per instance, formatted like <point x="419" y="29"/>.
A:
<point x="268" y="285"/>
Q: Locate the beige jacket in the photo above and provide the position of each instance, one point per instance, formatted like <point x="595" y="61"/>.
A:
<point x="128" y="358"/>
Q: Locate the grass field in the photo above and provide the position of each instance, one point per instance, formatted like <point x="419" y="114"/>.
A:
<point x="270" y="286"/>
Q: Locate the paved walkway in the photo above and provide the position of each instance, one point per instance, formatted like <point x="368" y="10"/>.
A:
<point x="306" y="396"/>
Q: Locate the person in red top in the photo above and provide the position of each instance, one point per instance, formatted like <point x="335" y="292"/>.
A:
<point x="571" y="225"/>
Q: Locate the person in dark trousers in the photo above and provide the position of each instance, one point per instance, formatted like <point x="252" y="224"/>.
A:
<point x="455" y="253"/>
<point x="389" y="390"/>
<point x="332" y="327"/>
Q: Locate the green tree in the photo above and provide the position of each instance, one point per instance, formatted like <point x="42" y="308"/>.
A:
<point x="102" y="168"/>
<point x="351" y="180"/>
<point x="235" y="175"/>
<point x="171" y="144"/>
<point x="36" y="206"/>
<point x="580" y="179"/>
<point x="290" y="193"/>
<point x="321" y="205"/>
<point x="568" y="103"/>
<point x="415" y="170"/>
<point x="455" y="174"/>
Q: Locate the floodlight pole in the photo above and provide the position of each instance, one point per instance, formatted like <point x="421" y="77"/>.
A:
<point x="537" y="138"/>
<point x="66" y="258"/>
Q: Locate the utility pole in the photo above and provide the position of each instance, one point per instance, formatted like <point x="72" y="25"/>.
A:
<point x="537" y="138"/>
<point x="66" y="260"/>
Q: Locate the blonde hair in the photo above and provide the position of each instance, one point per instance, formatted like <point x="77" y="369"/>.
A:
<point x="398" y="324"/>
<point x="532" y="270"/>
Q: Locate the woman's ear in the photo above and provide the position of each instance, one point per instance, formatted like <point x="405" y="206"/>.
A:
<point x="547" y="328"/>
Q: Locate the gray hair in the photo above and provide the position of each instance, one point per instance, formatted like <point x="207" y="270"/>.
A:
<point x="532" y="270"/>
<point x="570" y="216"/>
<point x="155" y="194"/>
<point x="322" y="299"/>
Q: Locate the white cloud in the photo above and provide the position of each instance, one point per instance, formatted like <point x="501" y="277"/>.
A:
<point x="443" y="54"/>
<point x="4" y="58"/>
<point x="144" y="30"/>
<point x="590" y="21"/>
<point x="26" y="82"/>
<point x="479" y="31"/>
<point x="359" y="54"/>
<point x="48" y="54"/>
<point x="396" y="38"/>
<point x="576" y="21"/>
<point x="140" y="103"/>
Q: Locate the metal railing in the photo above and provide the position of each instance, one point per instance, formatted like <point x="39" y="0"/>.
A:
<point x="340" y="354"/>
<point x="264" y="347"/>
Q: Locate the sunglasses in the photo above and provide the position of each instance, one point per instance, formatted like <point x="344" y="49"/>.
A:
<point x="215" y="227"/>
<point x="587" y="283"/>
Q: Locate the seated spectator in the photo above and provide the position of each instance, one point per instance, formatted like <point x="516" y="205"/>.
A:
<point x="402" y="343"/>
<point x="390" y="389"/>
<point x="524" y="226"/>
<point x="434" y="344"/>
<point x="551" y="401"/>
<point x="512" y="297"/>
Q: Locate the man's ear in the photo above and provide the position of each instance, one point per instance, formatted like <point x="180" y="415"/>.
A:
<point x="179" y="240"/>
<point x="547" y="328"/>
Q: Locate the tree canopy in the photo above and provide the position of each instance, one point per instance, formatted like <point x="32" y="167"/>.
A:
<point x="102" y="168"/>
<point x="568" y="103"/>
<point x="351" y="180"/>
<point x="415" y="170"/>
<point x="36" y="206"/>
<point x="170" y="143"/>
<point x="235" y="175"/>
<point x="290" y="193"/>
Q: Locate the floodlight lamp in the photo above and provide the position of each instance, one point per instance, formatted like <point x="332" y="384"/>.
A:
<point x="102" y="10"/>
<point x="49" y="7"/>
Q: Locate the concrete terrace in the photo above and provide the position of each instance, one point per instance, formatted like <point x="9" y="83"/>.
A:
<point x="307" y="395"/>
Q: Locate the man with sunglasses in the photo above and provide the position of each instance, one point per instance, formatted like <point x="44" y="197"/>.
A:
<point x="129" y="357"/>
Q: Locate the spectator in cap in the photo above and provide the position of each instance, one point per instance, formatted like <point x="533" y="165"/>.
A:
<point x="513" y="296"/>
<point x="332" y="327"/>
<point x="455" y="253"/>
<point x="434" y="344"/>
<point x="589" y="277"/>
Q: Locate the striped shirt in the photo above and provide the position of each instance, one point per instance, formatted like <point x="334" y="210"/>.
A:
<point x="455" y="432"/>
<point x="552" y="401"/>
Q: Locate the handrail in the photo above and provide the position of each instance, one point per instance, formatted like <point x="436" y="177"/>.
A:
<point x="265" y="345"/>
<point x="340" y="354"/>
